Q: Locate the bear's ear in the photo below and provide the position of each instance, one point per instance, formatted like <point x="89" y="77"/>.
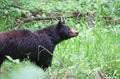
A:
<point x="60" y="24"/>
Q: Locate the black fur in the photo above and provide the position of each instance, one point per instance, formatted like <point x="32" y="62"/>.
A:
<point x="21" y="44"/>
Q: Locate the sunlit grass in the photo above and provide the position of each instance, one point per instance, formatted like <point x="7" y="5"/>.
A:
<point x="94" y="49"/>
<point x="90" y="52"/>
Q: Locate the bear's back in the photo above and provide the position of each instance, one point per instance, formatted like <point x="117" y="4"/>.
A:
<point x="15" y="34"/>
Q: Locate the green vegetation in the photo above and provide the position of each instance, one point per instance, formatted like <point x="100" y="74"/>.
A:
<point x="95" y="51"/>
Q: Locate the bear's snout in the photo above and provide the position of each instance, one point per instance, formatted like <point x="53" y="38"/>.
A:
<point x="73" y="33"/>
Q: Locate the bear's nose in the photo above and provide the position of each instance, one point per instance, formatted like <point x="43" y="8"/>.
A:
<point x="77" y="33"/>
<point x="74" y="33"/>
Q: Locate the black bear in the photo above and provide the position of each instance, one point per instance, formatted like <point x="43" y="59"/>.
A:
<point x="36" y="46"/>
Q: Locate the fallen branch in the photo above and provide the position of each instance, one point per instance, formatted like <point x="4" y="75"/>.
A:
<point x="26" y="20"/>
<point x="15" y="5"/>
<point x="90" y="18"/>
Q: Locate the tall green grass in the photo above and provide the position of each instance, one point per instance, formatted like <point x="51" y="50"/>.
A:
<point x="95" y="49"/>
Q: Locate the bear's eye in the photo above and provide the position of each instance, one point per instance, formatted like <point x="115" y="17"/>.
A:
<point x="69" y="30"/>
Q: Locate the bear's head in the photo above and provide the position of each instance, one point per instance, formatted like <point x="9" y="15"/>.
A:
<point x="64" y="31"/>
<point x="58" y="32"/>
